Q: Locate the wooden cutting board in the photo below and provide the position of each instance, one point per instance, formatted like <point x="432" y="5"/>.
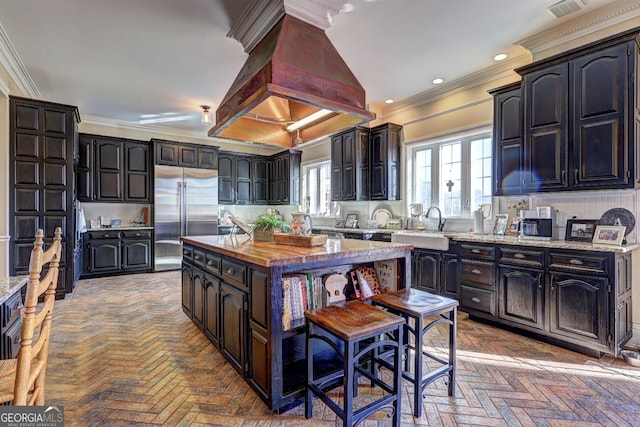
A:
<point x="308" y="241"/>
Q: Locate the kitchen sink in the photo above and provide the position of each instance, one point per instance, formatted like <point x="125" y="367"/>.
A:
<point x="422" y="239"/>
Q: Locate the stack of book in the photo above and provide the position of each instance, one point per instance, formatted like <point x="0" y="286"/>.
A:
<point x="300" y="292"/>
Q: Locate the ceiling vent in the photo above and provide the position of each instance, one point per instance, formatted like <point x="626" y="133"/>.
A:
<point x="566" y="7"/>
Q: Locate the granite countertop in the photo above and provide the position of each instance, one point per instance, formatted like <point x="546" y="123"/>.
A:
<point x="558" y="244"/>
<point x="11" y="285"/>
<point x="355" y="230"/>
<point x="125" y="227"/>
<point x="274" y="254"/>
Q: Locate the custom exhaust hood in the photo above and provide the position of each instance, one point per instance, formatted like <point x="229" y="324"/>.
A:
<point x="294" y="74"/>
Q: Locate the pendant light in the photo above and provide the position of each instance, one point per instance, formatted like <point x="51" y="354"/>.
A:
<point x="205" y="119"/>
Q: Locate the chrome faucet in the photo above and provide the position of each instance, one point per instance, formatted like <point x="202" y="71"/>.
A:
<point x="440" y="220"/>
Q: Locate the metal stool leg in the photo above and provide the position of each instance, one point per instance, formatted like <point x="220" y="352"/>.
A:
<point x="417" y="382"/>
<point x="452" y="351"/>
<point x="397" y="377"/>
<point x="308" y="404"/>
<point x="347" y="420"/>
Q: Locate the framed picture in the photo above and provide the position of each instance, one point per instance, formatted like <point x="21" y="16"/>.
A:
<point x="351" y="221"/>
<point x="500" y="224"/>
<point x="609" y="234"/>
<point x="513" y="228"/>
<point x="580" y="230"/>
<point x="339" y="223"/>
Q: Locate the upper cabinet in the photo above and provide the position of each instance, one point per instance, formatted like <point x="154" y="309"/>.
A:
<point x="365" y="163"/>
<point x="580" y="120"/>
<point x="171" y="153"/>
<point x="252" y="179"/>
<point x="113" y="170"/>
<point x="507" y="139"/>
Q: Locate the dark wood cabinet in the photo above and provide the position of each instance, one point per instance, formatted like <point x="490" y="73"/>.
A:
<point x="233" y="314"/>
<point x="508" y="123"/>
<point x="109" y="170"/>
<point x="580" y="299"/>
<point x="580" y="127"/>
<point x="260" y="172"/>
<point x="211" y="308"/>
<point x="137" y="176"/>
<point x="113" y="170"/>
<point x="172" y="153"/>
<point x="252" y="179"/>
<point x="243" y="180"/>
<point x="365" y="163"/>
<point x="187" y="290"/>
<point x="384" y="146"/>
<point x="449" y="276"/>
<point x="346" y="156"/>
<point x="84" y="169"/>
<point x="198" y="283"/>
<point x="226" y="185"/>
<point x="43" y="145"/>
<point x="114" y="252"/>
<point x="425" y="272"/>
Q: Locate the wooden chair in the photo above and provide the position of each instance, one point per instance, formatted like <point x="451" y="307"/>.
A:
<point x="22" y="380"/>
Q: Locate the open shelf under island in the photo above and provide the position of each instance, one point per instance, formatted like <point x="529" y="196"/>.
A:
<point x="232" y="289"/>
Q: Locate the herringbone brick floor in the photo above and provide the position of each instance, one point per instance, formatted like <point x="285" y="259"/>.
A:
<point x="123" y="353"/>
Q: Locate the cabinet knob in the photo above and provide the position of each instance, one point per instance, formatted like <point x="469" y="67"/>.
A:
<point x="197" y="257"/>
<point x="476" y="251"/>
<point x="231" y="271"/>
<point x="475" y="299"/>
<point x="107" y="235"/>
<point x="519" y="256"/>
<point x="209" y="262"/>
<point x="138" y="234"/>
<point x="475" y="271"/>
<point x="575" y="261"/>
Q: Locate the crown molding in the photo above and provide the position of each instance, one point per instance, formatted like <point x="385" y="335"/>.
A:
<point x="157" y="131"/>
<point x="487" y="75"/>
<point x="17" y="71"/>
<point x="615" y="13"/>
<point x="319" y="13"/>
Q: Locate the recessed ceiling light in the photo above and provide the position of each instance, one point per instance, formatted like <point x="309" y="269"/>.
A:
<point x="388" y="101"/>
<point x="500" y="57"/>
<point x="437" y="81"/>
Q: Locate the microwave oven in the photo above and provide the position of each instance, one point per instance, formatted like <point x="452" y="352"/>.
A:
<point x="537" y="229"/>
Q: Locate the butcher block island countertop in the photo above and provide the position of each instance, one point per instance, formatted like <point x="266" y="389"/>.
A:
<point x="240" y="294"/>
<point x="268" y="254"/>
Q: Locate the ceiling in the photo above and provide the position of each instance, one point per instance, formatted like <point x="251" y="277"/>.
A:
<point x="123" y="61"/>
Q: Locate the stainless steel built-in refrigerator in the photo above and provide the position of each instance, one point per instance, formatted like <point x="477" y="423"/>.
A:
<point x="185" y="204"/>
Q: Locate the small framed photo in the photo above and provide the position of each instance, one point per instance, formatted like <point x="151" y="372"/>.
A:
<point x="513" y="228"/>
<point x="609" y="234"/>
<point x="500" y="224"/>
<point x="351" y="221"/>
<point x="580" y="230"/>
<point x="339" y="223"/>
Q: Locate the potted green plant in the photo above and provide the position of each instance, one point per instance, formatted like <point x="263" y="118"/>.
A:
<point x="264" y="227"/>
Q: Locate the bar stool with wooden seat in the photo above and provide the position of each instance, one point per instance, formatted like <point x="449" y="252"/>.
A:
<point x="421" y="306"/>
<point x="25" y="376"/>
<point x="353" y="329"/>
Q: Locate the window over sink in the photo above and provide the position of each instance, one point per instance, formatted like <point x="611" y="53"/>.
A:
<point x="454" y="174"/>
<point x="316" y="188"/>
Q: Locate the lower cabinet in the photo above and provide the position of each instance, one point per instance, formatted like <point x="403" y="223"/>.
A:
<point x="187" y="290"/>
<point x="580" y="299"/>
<point x="233" y="315"/>
<point x="435" y="271"/>
<point x="11" y="324"/>
<point x="116" y="252"/>
<point x="211" y="311"/>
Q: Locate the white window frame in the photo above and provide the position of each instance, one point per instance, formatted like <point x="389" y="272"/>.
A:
<point x="434" y="145"/>
<point x="305" y="181"/>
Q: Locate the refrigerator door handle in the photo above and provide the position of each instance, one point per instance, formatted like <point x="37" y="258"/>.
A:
<point x="185" y="218"/>
<point x="180" y="209"/>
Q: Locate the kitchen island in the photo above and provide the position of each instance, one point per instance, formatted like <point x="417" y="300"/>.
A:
<point x="232" y="289"/>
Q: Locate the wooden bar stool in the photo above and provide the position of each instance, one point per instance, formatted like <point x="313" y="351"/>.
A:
<point x="356" y="327"/>
<point x="421" y="306"/>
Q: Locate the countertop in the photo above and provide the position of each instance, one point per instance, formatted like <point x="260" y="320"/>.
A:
<point x="130" y="227"/>
<point x="274" y="254"/>
<point x="11" y="285"/>
<point x="355" y="230"/>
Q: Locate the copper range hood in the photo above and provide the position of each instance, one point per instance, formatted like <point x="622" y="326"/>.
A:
<point x="293" y="72"/>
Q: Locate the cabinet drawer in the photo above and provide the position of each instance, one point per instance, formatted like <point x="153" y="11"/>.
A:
<point x="478" y="299"/>
<point x="521" y="256"/>
<point x="198" y="258"/>
<point x="104" y="235"/>
<point x="579" y="261"/>
<point x="482" y="273"/>
<point x="234" y="273"/>
<point x="11" y="310"/>
<point x="477" y="251"/>
<point x="212" y="263"/>
<point x="136" y="234"/>
<point x="187" y="253"/>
